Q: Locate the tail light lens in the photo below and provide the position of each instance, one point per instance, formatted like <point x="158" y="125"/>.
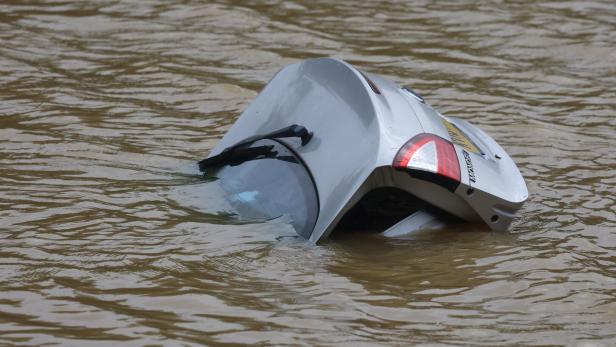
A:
<point x="430" y="157"/>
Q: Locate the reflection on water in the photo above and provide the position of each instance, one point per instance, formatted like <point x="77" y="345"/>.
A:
<point x="105" y="106"/>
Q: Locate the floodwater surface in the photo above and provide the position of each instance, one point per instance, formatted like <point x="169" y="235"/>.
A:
<point x="107" y="235"/>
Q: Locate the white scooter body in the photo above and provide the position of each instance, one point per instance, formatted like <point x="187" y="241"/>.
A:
<point x="360" y="123"/>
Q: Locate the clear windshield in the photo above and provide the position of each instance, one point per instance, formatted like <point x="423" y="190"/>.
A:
<point x="272" y="187"/>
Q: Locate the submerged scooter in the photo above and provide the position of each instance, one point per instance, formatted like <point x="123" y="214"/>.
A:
<point x="324" y="145"/>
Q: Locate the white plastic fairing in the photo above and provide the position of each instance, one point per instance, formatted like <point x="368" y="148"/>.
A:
<point x="402" y="139"/>
<point x="420" y="220"/>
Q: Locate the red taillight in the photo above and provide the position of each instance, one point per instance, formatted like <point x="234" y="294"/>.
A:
<point x="429" y="153"/>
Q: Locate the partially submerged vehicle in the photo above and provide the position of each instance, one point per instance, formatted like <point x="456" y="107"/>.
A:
<point x="326" y="146"/>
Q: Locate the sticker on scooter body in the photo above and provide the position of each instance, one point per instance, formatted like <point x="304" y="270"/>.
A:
<point x="458" y="137"/>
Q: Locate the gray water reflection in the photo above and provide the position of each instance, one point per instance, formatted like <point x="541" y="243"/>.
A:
<point x="105" y="106"/>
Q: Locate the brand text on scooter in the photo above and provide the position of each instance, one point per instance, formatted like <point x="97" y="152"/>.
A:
<point x="469" y="166"/>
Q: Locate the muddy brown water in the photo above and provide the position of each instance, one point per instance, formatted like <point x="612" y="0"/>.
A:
<point x="104" y="238"/>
